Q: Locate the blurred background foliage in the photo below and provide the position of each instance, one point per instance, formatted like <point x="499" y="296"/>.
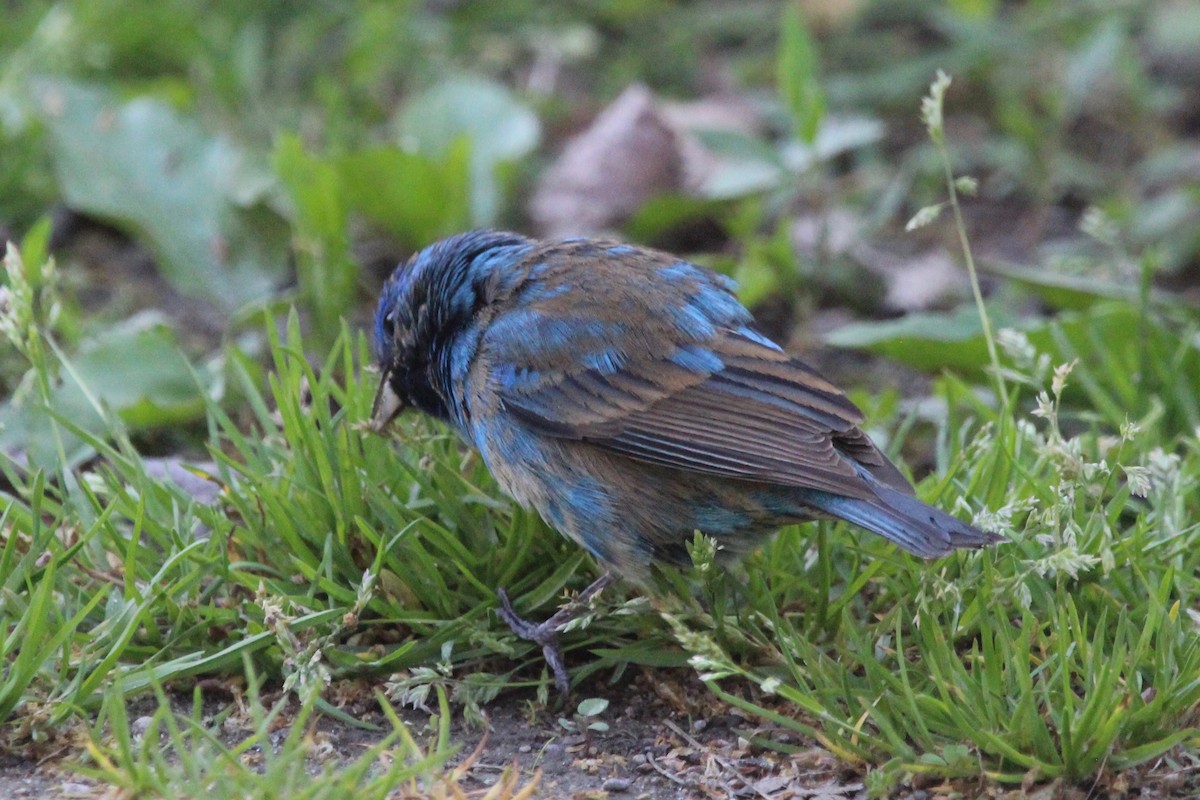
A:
<point x="209" y="159"/>
<point x="198" y="166"/>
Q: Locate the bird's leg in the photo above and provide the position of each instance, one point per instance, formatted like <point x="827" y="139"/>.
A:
<point x="546" y="633"/>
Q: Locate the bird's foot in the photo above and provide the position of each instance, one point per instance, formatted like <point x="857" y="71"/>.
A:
<point x="545" y="634"/>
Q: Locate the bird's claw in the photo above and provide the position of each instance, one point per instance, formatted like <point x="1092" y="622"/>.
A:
<point x="544" y="634"/>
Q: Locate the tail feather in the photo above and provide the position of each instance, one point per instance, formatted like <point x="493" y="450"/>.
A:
<point x="919" y="528"/>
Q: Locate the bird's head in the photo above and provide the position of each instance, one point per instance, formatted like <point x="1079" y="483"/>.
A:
<point x="426" y="306"/>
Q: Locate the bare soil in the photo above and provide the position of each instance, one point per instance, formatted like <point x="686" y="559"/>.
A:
<point x="668" y="739"/>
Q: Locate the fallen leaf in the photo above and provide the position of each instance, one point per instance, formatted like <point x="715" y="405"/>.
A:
<point x="629" y="154"/>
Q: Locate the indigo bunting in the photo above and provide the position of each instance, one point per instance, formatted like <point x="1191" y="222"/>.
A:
<point x="627" y="396"/>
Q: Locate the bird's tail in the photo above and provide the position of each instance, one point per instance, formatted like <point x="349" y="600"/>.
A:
<point x="919" y="528"/>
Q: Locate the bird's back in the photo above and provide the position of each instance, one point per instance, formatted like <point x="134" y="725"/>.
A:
<point x="617" y="386"/>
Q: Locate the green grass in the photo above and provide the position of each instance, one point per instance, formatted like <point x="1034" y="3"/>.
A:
<point x="1066" y="651"/>
<point x="176" y="753"/>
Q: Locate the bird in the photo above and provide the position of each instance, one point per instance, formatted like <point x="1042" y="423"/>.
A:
<point x="627" y="395"/>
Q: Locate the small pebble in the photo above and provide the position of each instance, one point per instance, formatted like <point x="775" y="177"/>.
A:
<point x="555" y="759"/>
<point x="141" y="725"/>
<point x="616" y="785"/>
<point x="524" y="748"/>
<point x="699" y="725"/>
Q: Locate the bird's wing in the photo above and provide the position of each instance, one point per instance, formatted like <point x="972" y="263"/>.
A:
<point x="656" y="360"/>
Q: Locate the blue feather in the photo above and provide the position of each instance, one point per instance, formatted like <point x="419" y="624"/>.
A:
<point x="627" y="396"/>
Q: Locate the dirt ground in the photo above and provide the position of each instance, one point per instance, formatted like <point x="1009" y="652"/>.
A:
<point x="668" y="739"/>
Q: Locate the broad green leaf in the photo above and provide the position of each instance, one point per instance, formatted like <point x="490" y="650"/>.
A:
<point x="924" y="341"/>
<point x="314" y="186"/>
<point x="499" y="127"/>
<point x="749" y="165"/>
<point x="1067" y="291"/>
<point x="194" y="199"/>
<point x="975" y="10"/>
<point x="324" y="266"/>
<point x="134" y="369"/>
<point x="836" y="135"/>
<point x="738" y="146"/>
<point x="592" y="706"/>
<point x="664" y="213"/>
<point x="138" y="370"/>
<point x="1123" y="357"/>
<point x="416" y="197"/>
<point x="1092" y="63"/>
<point x="799" y="82"/>
<point x="955" y="341"/>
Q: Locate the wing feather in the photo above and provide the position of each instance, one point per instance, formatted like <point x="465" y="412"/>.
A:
<point x="678" y="378"/>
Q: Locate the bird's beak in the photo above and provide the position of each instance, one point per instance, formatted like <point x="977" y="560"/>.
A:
<point x="388" y="404"/>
